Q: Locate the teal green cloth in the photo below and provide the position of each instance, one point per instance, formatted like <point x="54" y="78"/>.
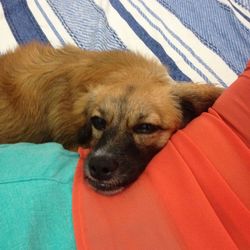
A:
<point x="36" y="197"/>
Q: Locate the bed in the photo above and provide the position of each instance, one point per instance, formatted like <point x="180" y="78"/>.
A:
<point x="198" y="41"/>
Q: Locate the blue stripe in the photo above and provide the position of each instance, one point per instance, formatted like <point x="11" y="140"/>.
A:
<point x="218" y="29"/>
<point x="87" y="24"/>
<point x="50" y="23"/>
<point x="156" y="48"/>
<point x="180" y="41"/>
<point x="21" y="22"/>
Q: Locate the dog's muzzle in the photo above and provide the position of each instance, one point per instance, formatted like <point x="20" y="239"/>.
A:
<point x="115" y="162"/>
<point x="101" y="174"/>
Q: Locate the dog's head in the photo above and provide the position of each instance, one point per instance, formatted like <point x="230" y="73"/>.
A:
<point x="130" y="117"/>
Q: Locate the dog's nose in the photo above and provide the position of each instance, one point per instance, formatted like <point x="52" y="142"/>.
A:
<point x="102" y="167"/>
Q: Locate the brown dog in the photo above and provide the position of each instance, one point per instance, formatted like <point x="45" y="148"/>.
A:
<point x="122" y="105"/>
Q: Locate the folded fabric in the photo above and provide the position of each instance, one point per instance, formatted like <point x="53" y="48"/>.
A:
<point x="195" y="194"/>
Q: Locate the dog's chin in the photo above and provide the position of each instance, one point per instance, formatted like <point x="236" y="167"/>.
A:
<point x="104" y="187"/>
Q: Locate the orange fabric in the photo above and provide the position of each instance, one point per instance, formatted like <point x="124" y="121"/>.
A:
<point x="195" y="194"/>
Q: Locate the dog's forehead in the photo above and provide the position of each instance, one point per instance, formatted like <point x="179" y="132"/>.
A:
<point x="123" y="97"/>
<point x="118" y="105"/>
<point x="133" y="103"/>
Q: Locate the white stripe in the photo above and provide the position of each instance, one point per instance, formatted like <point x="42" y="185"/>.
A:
<point x="56" y="22"/>
<point x="241" y="8"/>
<point x="129" y="37"/>
<point x="7" y="41"/>
<point x="53" y="39"/>
<point x="239" y="17"/>
<point x="182" y="47"/>
<point x="123" y="30"/>
<point x="155" y="34"/>
<point x="205" y="54"/>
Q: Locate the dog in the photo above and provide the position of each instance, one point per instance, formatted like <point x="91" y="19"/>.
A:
<point x="121" y="104"/>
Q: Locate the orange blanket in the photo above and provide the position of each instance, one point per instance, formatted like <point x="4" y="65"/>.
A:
<point x="195" y="194"/>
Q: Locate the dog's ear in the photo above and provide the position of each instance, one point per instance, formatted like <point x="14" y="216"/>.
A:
<point x="195" y="98"/>
<point x="85" y="134"/>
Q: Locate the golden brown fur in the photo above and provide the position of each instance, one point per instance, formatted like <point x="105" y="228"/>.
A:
<point x="49" y="94"/>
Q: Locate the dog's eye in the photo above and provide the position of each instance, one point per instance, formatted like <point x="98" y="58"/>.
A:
<point x="98" y="122"/>
<point x="145" y="128"/>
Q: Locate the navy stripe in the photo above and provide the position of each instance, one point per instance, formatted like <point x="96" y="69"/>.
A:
<point x="242" y="14"/>
<point x="191" y="51"/>
<point x="243" y="3"/>
<point x="49" y="23"/>
<point x="21" y="22"/>
<point x="155" y="47"/>
<point x="216" y="28"/>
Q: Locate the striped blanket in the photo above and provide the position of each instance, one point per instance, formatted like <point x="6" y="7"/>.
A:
<point x="198" y="40"/>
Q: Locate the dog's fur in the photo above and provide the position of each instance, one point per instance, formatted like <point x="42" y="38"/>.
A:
<point x="122" y="105"/>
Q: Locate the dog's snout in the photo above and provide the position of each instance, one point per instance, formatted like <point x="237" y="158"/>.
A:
<point x="102" y="167"/>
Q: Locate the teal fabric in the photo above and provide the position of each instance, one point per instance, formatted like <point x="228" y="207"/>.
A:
<point x="36" y="197"/>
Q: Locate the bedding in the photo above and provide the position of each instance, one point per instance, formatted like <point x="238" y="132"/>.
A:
<point x="198" y="41"/>
<point x="201" y="41"/>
